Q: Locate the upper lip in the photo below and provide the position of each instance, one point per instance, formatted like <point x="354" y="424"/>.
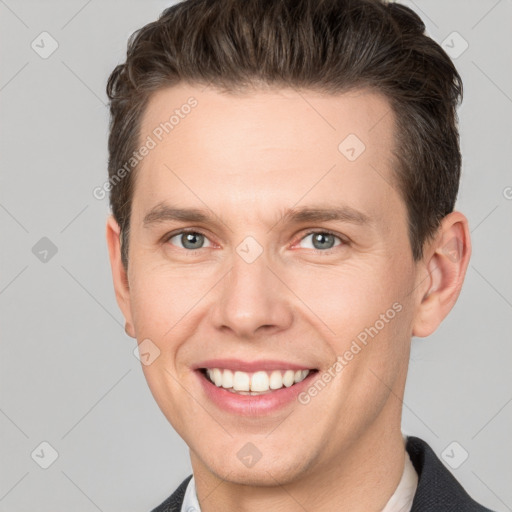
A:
<point x="251" y="366"/>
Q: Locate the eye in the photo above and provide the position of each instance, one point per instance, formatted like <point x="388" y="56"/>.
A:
<point x="192" y="240"/>
<point x="322" y="240"/>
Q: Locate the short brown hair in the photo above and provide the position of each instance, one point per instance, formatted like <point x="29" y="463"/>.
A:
<point x="330" y="46"/>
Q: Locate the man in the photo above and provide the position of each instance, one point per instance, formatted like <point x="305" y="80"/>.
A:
<point x="282" y="180"/>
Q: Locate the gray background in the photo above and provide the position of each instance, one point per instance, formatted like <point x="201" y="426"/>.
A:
<point x="68" y="373"/>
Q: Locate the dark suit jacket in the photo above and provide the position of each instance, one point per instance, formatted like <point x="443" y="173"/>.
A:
<point x="437" y="491"/>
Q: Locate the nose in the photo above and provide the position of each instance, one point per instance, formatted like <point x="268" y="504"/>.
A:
<point x="253" y="300"/>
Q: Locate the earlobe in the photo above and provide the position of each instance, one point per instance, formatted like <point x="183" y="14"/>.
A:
<point x="447" y="260"/>
<point x="128" y="329"/>
<point x="119" y="275"/>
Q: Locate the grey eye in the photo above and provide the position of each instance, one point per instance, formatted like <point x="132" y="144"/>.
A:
<point x="321" y="240"/>
<point x="190" y="240"/>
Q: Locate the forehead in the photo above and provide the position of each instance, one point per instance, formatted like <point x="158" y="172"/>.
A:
<point x="277" y="117"/>
<point x="280" y="144"/>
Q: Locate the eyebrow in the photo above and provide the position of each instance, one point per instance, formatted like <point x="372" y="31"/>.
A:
<point x="164" y="212"/>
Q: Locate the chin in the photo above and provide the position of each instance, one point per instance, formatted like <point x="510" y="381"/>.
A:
<point x="268" y="472"/>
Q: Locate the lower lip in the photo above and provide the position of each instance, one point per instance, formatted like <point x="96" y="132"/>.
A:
<point x="252" y="405"/>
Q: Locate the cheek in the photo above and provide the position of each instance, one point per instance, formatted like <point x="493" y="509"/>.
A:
<point x="350" y="297"/>
<point x="162" y="298"/>
<point x="364" y="316"/>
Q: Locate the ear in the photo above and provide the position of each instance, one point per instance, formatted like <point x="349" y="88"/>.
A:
<point x="119" y="274"/>
<point x="444" y="268"/>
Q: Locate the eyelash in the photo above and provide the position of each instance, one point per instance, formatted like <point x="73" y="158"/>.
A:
<point x="343" y="240"/>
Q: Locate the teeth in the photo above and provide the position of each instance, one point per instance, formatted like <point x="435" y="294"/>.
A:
<point x="255" y="383"/>
<point x="217" y="377"/>
<point x="276" y="380"/>
<point x="227" y="379"/>
<point x="259" y="381"/>
<point x="288" y="378"/>
<point x="241" y="381"/>
<point x="300" y="375"/>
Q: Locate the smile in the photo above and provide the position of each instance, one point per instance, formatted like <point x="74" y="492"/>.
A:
<point x="255" y="383"/>
<point x="253" y="393"/>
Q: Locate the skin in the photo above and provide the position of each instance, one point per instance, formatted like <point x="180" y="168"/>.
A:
<point x="247" y="158"/>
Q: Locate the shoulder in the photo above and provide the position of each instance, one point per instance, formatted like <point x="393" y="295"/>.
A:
<point x="438" y="490"/>
<point x="175" y="500"/>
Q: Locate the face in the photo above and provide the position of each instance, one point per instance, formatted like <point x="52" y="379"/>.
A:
<point x="267" y="237"/>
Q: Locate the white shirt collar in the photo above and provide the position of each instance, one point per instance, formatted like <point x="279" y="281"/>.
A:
<point x="190" y="502"/>
<point x="402" y="498"/>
